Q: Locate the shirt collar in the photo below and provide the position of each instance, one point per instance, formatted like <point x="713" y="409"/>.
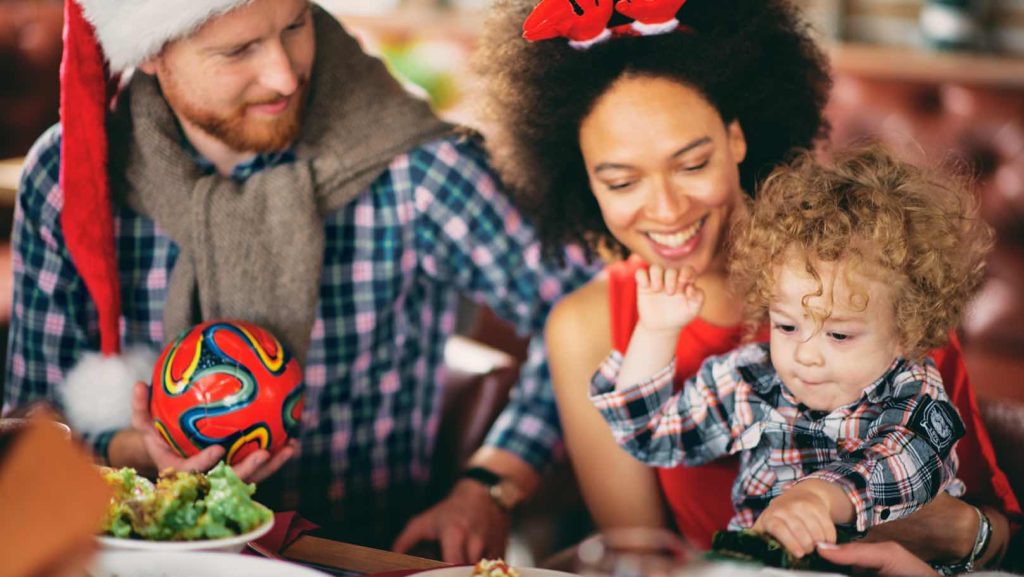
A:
<point x="242" y="170"/>
<point x="881" y="389"/>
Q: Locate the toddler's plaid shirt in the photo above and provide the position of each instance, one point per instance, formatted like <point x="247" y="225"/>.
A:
<point x="891" y="451"/>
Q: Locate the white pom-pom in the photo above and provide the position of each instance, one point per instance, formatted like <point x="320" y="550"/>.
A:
<point x="97" y="394"/>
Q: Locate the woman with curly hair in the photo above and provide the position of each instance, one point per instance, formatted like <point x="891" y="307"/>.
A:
<point x="644" y="148"/>
<point x="859" y="269"/>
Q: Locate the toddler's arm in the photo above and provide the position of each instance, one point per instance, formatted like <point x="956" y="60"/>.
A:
<point x="691" y="427"/>
<point x="907" y="456"/>
<point x="667" y="300"/>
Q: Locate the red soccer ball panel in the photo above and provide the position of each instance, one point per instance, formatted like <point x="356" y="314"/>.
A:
<point x="229" y="383"/>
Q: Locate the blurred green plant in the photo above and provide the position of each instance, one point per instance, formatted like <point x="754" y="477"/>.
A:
<point x="430" y="65"/>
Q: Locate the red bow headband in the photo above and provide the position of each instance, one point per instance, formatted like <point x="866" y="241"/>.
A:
<point x="585" y="22"/>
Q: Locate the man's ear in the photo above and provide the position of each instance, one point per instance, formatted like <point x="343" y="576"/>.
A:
<point x="737" y="141"/>
<point x="150" y="65"/>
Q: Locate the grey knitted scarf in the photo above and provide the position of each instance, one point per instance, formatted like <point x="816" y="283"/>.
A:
<point x="253" y="250"/>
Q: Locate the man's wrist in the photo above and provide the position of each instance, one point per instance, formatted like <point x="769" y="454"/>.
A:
<point x="502" y="491"/>
<point x="509" y="465"/>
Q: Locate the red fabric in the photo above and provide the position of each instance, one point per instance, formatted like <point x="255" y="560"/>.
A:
<point x="700" y="497"/>
<point x="87" y="219"/>
<point x="986" y="482"/>
<point x="288" y="526"/>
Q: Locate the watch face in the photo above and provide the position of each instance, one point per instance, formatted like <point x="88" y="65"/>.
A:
<point x="506" y="494"/>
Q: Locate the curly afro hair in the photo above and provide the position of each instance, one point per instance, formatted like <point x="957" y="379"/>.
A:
<point x="916" y="230"/>
<point x="753" y="60"/>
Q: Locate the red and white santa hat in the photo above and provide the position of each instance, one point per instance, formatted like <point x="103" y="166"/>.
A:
<point x="103" y="37"/>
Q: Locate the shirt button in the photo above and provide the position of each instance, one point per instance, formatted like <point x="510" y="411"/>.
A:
<point x="884" y="515"/>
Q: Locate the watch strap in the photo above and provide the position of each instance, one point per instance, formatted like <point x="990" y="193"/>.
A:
<point x="498" y="489"/>
<point x="484" y="476"/>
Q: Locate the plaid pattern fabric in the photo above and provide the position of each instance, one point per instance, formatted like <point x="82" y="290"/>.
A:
<point x="874" y="448"/>
<point x="433" y="226"/>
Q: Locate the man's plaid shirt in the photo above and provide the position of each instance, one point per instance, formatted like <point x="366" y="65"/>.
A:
<point x="434" y="225"/>
<point x="891" y="451"/>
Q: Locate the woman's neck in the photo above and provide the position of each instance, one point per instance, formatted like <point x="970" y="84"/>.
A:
<point x="721" y="306"/>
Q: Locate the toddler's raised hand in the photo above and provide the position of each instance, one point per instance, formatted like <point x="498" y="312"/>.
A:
<point x="667" y="299"/>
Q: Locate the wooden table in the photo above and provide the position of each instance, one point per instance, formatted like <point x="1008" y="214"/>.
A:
<point x="355" y="558"/>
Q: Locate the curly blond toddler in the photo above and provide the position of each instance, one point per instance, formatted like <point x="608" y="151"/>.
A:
<point x="858" y="268"/>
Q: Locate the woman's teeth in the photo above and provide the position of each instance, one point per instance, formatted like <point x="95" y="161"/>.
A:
<point x="677" y="239"/>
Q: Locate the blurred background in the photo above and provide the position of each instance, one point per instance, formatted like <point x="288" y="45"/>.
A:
<point x="939" y="80"/>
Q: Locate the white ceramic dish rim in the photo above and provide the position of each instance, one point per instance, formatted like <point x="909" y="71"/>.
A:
<point x="227" y="543"/>
<point x="196" y="563"/>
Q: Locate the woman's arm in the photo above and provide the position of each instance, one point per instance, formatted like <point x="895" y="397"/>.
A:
<point x="578" y="335"/>
<point x="944" y="530"/>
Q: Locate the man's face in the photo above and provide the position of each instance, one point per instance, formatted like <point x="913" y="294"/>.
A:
<point x="242" y="77"/>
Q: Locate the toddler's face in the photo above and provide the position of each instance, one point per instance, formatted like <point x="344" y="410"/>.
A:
<point x="828" y="365"/>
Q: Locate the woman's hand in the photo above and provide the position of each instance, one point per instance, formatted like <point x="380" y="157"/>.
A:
<point x="667" y="299"/>
<point x="942" y="531"/>
<point x="888" y="559"/>
<point x="799" y="519"/>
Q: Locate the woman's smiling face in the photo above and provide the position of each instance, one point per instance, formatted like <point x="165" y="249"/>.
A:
<point x="664" y="168"/>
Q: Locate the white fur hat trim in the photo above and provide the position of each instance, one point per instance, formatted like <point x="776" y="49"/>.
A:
<point x="130" y="31"/>
<point x="97" y="393"/>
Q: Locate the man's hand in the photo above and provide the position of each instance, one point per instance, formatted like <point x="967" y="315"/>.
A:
<point x="253" y="469"/>
<point x="667" y="299"/>
<point x="468" y="524"/>
<point x="888" y="559"/>
<point x="800" y="518"/>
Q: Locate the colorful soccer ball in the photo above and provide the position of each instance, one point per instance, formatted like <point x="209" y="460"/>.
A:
<point x="228" y="383"/>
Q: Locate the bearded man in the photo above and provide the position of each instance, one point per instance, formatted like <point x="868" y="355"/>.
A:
<point x="256" y="164"/>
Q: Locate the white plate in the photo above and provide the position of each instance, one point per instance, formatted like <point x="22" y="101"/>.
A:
<point x="193" y="564"/>
<point x="466" y="571"/>
<point x="226" y="545"/>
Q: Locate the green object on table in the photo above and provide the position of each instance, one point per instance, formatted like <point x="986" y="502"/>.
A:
<point x="752" y="547"/>
<point x="181" y="506"/>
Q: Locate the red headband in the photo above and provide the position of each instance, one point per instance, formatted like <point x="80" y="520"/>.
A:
<point x="585" y="22"/>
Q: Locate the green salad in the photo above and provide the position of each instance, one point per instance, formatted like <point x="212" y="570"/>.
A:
<point x="181" y="506"/>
